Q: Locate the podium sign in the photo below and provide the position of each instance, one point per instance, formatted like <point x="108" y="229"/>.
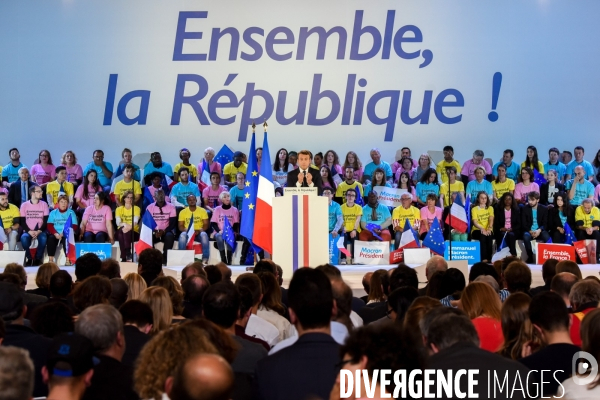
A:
<point x="290" y="191"/>
<point x="560" y="252"/>
<point x="463" y="251"/>
<point x="102" y="250"/>
<point x="300" y="231"/>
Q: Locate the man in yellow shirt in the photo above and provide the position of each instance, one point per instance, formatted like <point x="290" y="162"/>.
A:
<point x="184" y="155"/>
<point x="10" y="215"/>
<point x="405" y="211"/>
<point x="448" y="161"/>
<point x="348" y="183"/>
<point x="351" y="213"/>
<point x="127" y="183"/>
<point x="60" y="185"/>
<point x="201" y="225"/>
<point x="231" y="169"/>
<point x="587" y="218"/>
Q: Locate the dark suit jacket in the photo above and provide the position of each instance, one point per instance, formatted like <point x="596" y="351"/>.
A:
<point x="308" y="368"/>
<point x="14" y="192"/>
<point x="292" y="178"/>
<point x="373" y="312"/>
<point x="544" y="191"/>
<point x="515" y="220"/>
<point x="527" y="218"/>
<point x="555" y="222"/>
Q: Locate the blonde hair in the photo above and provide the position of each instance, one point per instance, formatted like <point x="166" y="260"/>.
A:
<point x="136" y="284"/>
<point x="63" y="160"/>
<point x="174" y="289"/>
<point x="44" y="273"/>
<point x="162" y="309"/>
<point x="125" y="194"/>
<point x="479" y="299"/>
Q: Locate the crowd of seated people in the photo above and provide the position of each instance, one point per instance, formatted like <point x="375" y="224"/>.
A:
<point x="510" y="201"/>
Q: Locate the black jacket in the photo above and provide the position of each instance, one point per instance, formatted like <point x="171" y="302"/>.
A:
<point x="14" y="192"/>
<point x="499" y="220"/>
<point x="527" y="217"/>
<point x="292" y="179"/>
<point x="555" y="222"/>
<point x="544" y="191"/>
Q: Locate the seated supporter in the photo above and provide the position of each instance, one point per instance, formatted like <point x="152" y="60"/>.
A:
<point x="34" y="217"/>
<point x="348" y="183"/>
<point x="127" y="157"/>
<point x="526" y="186"/>
<point x="184" y="156"/>
<point x="502" y="184"/>
<point x="562" y="213"/>
<point x="424" y="164"/>
<point x="336" y="219"/>
<point x="353" y="161"/>
<point x="226" y="210"/>
<point x="156" y="164"/>
<point x="550" y="188"/>
<point x="88" y="189"/>
<point x="293" y="158"/>
<point x="165" y="216"/>
<point x="451" y="186"/>
<point x="532" y="161"/>
<point x="74" y="170"/>
<point x="429" y="213"/>
<point x="447" y="162"/>
<point x="507" y="222"/>
<point x="377" y="179"/>
<point x="184" y="188"/>
<point x="56" y="224"/>
<point x="59" y="187"/>
<point x="352" y="214"/>
<point x="281" y="166"/>
<point x="579" y="187"/>
<point x="155" y="179"/>
<point x="10" y="172"/>
<point x="555" y="164"/>
<point x="211" y="194"/>
<point x="18" y="192"/>
<point x="405" y="212"/>
<point x="104" y="170"/>
<point x="237" y="192"/>
<point x="587" y="218"/>
<point x="404" y="153"/>
<point x="127" y="184"/>
<point x="201" y="227"/>
<point x="534" y="223"/>
<point x="231" y="169"/>
<point x="127" y="218"/>
<point x="482" y="218"/>
<point x="11" y="218"/>
<point x="96" y="224"/>
<point x="43" y="172"/>
<point x="482" y="304"/>
<point x="404" y="182"/>
<point x="213" y="166"/>
<point x="427" y="185"/>
<point x="469" y="168"/>
<point x="479" y="184"/>
<point x="512" y="169"/>
<point x="588" y="168"/>
<point x="326" y="178"/>
<point x="406" y="166"/>
<point x="377" y="163"/>
<point x="377" y="214"/>
<point x="332" y="161"/>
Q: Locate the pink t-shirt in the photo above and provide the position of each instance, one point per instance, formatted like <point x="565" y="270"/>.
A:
<point x="468" y="168"/>
<point x="219" y="214"/>
<point x="91" y="193"/>
<point x="96" y="219"/>
<point x="153" y="190"/>
<point x="597" y="193"/>
<point x="397" y="165"/>
<point x="4" y="190"/>
<point x="426" y="214"/>
<point x="521" y="191"/>
<point x="214" y="167"/>
<point x="400" y="170"/>
<point x="74" y="172"/>
<point x="358" y="174"/>
<point x="507" y="218"/>
<point x="34" y="213"/>
<point x="210" y="196"/>
<point x="42" y="174"/>
<point x="338" y="168"/>
<point x="162" y="219"/>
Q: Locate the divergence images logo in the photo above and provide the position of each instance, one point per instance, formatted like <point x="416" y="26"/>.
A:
<point x="584" y="363"/>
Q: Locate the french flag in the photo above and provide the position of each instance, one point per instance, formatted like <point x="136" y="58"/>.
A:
<point x="148" y="226"/>
<point x="204" y="180"/>
<point x="69" y="236"/>
<point x="409" y="238"/>
<point x="191" y="235"/>
<point x="458" y="218"/>
<point x="263" y="220"/>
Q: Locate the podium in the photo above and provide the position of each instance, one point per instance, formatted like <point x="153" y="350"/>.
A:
<point x="300" y="229"/>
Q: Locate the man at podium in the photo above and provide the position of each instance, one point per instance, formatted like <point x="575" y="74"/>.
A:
<point x="304" y="176"/>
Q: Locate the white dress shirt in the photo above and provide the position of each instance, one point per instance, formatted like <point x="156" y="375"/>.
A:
<point x="339" y="333"/>
<point x="261" y="329"/>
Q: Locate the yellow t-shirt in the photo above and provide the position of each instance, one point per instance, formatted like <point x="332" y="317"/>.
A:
<point x="350" y="215"/>
<point x="230" y="171"/>
<point x="200" y="215"/>
<point x="192" y="168"/>
<point x="53" y="188"/>
<point x="125" y="216"/>
<point x="587" y="219"/>
<point x="441" y="169"/>
<point x="501" y="188"/>
<point x="121" y="187"/>
<point x="457" y="186"/>
<point x="482" y="215"/>
<point x="401" y="214"/>
<point x="8" y="216"/>
<point x="343" y="188"/>
<point x="540" y="167"/>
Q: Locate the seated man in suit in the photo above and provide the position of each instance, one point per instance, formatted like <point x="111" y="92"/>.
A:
<point x="18" y="192"/>
<point x="304" y="176"/>
<point x="534" y="223"/>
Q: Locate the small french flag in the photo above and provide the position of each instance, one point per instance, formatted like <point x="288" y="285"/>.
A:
<point x="148" y="226"/>
<point x="191" y="235"/>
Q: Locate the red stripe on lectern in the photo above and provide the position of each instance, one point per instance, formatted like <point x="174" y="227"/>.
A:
<point x="305" y="226"/>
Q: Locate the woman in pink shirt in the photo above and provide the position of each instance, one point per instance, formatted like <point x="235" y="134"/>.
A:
<point x="84" y="196"/>
<point x="211" y="194"/>
<point x="523" y="188"/>
<point x="213" y="166"/>
<point x="217" y="222"/>
<point x="43" y="173"/>
<point x="74" y="170"/>
<point x="404" y="183"/>
<point x="96" y="225"/>
<point x="353" y="161"/>
<point x="428" y="214"/>
<point x="332" y="160"/>
<point x="327" y="178"/>
<point x="406" y="166"/>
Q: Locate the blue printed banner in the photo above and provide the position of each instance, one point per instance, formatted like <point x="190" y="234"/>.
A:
<point x="463" y="251"/>
<point x="102" y="250"/>
<point x="334" y="253"/>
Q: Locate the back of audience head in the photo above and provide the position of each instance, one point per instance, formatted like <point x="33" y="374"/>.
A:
<point x="434" y="264"/>
<point x="44" y="274"/>
<point x="379" y="279"/>
<point x="548" y="313"/>
<point x="110" y="268"/>
<point x="436" y="335"/>
<point x="517" y="277"/>
<point x="194" y="287"/>
<point x="562" y="283"/>
<point x="330" y="270"/>
<point x="516" y="326"/>
<point x="51" y="319"/>
<point x="213" y="274"/>
<point x="435" y="285"/>
<point x="201" y="377"/>
<point x="16" y="370"/>
<point x="103" y="325"/>
<point x="253" y="283"/>
<point x="195" y="268"/>
<point x="245" y="305"/>
<point x="175" y="292"/>
<point x="482" y="268"/>
<point x="61" y="284"/>
<point x="225" y="272"/>
<point x="118" y="295"/>
<point x="162" y="309"/>
<point x="138" y="314"/>
<point x="12" y="307"/>
<point x="271" y="293"/>
<point x="150" y="264"/>
<point x="342" y="294"/>
<point x="366" y="282"/>
<point x="399" y="301"/>
<point x="279" y="275"/>
<point x="310" y="299"/>
<point x="403" y="275"/>
<point x="93" y="290"/>
<point x="549" y="270"/>
<point x="264" y="265"/>
<point x="488" y="279"/>
<point x="569" y="266"/>
<point x="584" y="294"/>
<point x="590" y="338"/>
<point x="221" y="304"/>
<point x="19" y="270"/>
<point x="454" y="281"/>
<point x="136" y="285"/>
<point x="479" y="299"/>
<point x="87" y="265"/>
<point x="225" y="344"/>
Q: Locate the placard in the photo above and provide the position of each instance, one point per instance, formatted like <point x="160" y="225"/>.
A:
<point x="389" y="196"/>
<point x="469" y="251"/>
<point x="334" y="253"/>
<point x="371" y="253"/>
<point x="102" y="250"/>
<point x="560" y="252"/>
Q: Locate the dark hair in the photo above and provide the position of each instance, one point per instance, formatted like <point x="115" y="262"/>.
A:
<point x="448" y="148"/>
<point x="330" y="270"/>
<point x="11" y="150"/>
<point x="11" y="295"/>
<point x="86" y="183"/>
<point x="435" y="286"/>
<point x="286" y="163"/>
<point x="93" y="290"/>
<point x="509" y="151"/>
<point x="87" y="265"/>
<point x="336" y="159"/>
<point x="518" y="277"/>
<point x="357" y="164"/>
<point x="549" y="311"/>
<point x="183" y="169"/>
<point x="435" y="323"/>
<point x="533" y="163"/>
<point x="245" y="300"/>
<point x="51" y="319"/>
<point x="482" y="268"/>
<point x="549" y="270"/>
<point x="569" y="266"/>
<point x="59" y="168"/>
<point x="60" y="284"/>
<point x="110" y="268"/>
<point x="408" y="184"/>
<point x="136" y="312"/>
<point x="403" y="275"/>
<point x="329" y="178"/>
<point x="2" y="327"/>
<point x="310" y="297"/>
<point x="119" y="290"/>
<point x="213" y="274"/>
<point x="596" y="163"/>
<point x="264" y="266"/>
<point x="374" y="181"/>
<point x="529" y="171"/>
<point x="151" y="262"/>
<point x="533" y="195"/>
<point x="194" y="287"/>
<point x="195" y="268"/>
<point x="427" y="174"/>
<point x="251" y="282"/>
<point x="453" y="282"/>
<point x="513" y="203"/>
<point x="400" y="300"/>
<point x="579" y="148"/>
<point x="271" y="292"/>
<point x="221" y="304"/>
<point x="554" y="149"/>
<point x="567" y="208"/>
<point x="49" y="157"/>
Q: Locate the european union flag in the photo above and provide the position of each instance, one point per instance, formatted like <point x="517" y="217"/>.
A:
<point x="538" y="178"/>
<point x="435" y="238"/>
<point x="224" y="156"/>
<point x="569" y="235"/>
<point x="359" y="199"/>
<point x="228" y="235"/>
<point x="250" y="189"/>
<point x="371" y="228"/>
<point x="468" y="211"/>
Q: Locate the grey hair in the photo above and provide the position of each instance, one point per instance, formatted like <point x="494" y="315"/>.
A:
<point x="585" y="291"/>
<point x="490" y="280"/>
<point x="23" y="168"/>
<point x="587" y="200"/>
<point x="100" y="324"/>
<point x="16" y="374"/>
<point x="478" y="153"/>
<point x="210" y="150"/>
<point x="434" y="264"/>
<point x="434" y="328"/>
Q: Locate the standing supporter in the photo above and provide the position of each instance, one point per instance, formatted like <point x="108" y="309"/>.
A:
<point x="507" y="222"/>
<point x="446" y="163"/>
<point x="555" y="164"/>
<point x="211" y="194"/>
<point x="516" y="326"/>
<point x="377" y="163"/>
<point x="336" y="218"/>
<point x="502" y="184"/>
<point x="237" y="192"/>
<point x="201" y="227"/>
<point x="353" y="161"/>
<point x="425" y="164"/>
<point x="281" y="167"/>
<point x="226" y="210"/>
<point x="405" y="183"/>
<point x="479" y="184"/>
<point x="352" y="214"/>
<point x="10" y="172"/>
<point x="451" y="186"/>
<point x="183" y="189"/>
<point x="213" y="166"/>
<point x="11" y="218"/>
<point x="184" y="156"/>
<point x="482" y="304"/>
<point x="532" y="161"/>
<point x="550" y="187"/>
<point x="127" y="157"/>
<point x="74" y="170"/>
<point x="231" y="169"/>
<point x="18" y="192"/>
<point x="56" y="224"/>
<point x="377" y="179"/>
<point x="127" y="219"/>
<point x="426" y="186"/>
<point x="588" y="169"/>
<point x="104" y="170"/>
<point x="526" y="186"/>
<point x="96" y="224"/>
<point x="482" y="217"/>
<point x="402" y="213"/>
<point x="34" y="216"/>
<point x="348" y="183"/>
<point x="513" y="170"/>
<point x="378" y="214"/>
<point x="406" y="166"/>
<point x="587" y="218"/>
<point x="88" y="189"/>
<point x="470" y="166"/>
<point x="59" y="187"/>
<point x="429" y="213"/>
<point x="44" y="172"/>
<point x="534" y="223"/>
<point x="326" y="178"/>
<point x="127" y="184"/>
<point x="332" y="161"/>
<point x="156" y="164"/>
<point x="579" y="187"/>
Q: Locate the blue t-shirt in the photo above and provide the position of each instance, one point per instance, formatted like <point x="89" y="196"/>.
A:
<point x="512" y="172"/>
<point x="367" y="189"/>
<point x="371" y="167"/>
<point x="382" y="213"/>
<point x="181" y="192"/>
<point x="560" y="169"/>
<point x="136" y="172"/>
<point x="237" y="197"/>
<point x="474" y="187"/>
<point x="534" y="225"/>
<point x="11" y="172"/>
<point x="582" y="191"/>
<point x="335" y="211"/>
<point x="104" y="181"/>
<point x="587" y="168"/>
<point x="166" y="169"/>
<point x="59" y="219"/>
<point x="563" y="218"/>
<point x="423" y="189"/>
